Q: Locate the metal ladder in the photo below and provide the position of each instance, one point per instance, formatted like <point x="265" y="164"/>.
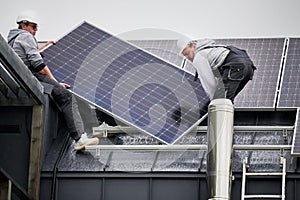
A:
<point x="245" y="174"/>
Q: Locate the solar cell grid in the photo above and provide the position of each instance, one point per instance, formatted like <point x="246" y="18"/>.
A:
<point x="128" y="83"/>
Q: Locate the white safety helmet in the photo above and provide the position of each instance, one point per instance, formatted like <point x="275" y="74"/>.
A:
<point x="27" y="16"/>
<point x="183" y="42"/>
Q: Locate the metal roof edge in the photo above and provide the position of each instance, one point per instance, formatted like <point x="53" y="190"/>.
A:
<point x="20" y="72"/>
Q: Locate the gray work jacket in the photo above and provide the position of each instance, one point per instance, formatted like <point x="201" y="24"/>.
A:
<point x="25" y="45"/>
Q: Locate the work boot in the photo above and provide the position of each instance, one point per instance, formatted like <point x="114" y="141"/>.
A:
<point x="85" y="141"/>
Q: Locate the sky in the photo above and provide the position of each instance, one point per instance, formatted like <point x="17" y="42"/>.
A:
<point x="160" y="19"/>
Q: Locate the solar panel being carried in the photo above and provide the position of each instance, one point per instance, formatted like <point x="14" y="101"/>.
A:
<point x="128" y="83"/>
<point x="290" y="87"/>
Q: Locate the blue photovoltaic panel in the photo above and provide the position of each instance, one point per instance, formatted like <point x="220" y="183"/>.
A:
<point x="296" y="139"/>
<point x="128" y="83"/>
<point x="266" y="54"/>
<point x="290" y="87"/>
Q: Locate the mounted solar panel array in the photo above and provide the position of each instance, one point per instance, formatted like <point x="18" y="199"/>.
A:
<point x="128" y="83"/>
<point x="290" y="87"/>
<point x="266" y="54"/>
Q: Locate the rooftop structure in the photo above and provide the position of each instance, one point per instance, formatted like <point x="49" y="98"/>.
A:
<point x="38" y="155"/>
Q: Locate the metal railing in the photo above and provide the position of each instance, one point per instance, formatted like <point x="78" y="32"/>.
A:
<point x="8" y="187"/>
<point x="105" y="130"/>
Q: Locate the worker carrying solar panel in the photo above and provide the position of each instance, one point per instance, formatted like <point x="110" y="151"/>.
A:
<point x="223" y="70"/>
<point x="23" y="42"/>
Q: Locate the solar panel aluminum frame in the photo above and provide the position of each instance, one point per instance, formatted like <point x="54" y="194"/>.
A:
<point x="281" y="72"/>
<point x="193" y="127"/>
<point x="284" y="66"/>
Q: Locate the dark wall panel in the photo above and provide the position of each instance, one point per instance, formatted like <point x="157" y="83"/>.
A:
<point x="121" y="189"/>
<point x="157" y="186"/>
<point x="84" y="189"/>
<point x="15" y="128"/>
<point x="175" y="189"/>
<point x="45" y="189"/>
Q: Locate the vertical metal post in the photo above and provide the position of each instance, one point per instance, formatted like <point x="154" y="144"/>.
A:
<point x="283" y="162"/>
<point x="219" y="149"/>
<point x="245" y="163"/>
<point x="5" y="189"/>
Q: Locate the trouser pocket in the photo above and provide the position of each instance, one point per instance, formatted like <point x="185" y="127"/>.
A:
<point x="236" y="72"/>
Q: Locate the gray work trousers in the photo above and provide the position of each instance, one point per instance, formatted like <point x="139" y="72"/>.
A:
<point x="236" y="71"/>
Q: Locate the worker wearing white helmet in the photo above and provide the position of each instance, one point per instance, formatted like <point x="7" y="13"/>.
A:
<point x="223" y="70"/>
<point x="27" y="21"/>
<point x="23" y="42"/>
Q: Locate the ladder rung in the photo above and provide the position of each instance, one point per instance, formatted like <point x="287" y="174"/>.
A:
<point x="274" y="196"/>
<point x="264" y="174"/>
<point x="262" y="196"/>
